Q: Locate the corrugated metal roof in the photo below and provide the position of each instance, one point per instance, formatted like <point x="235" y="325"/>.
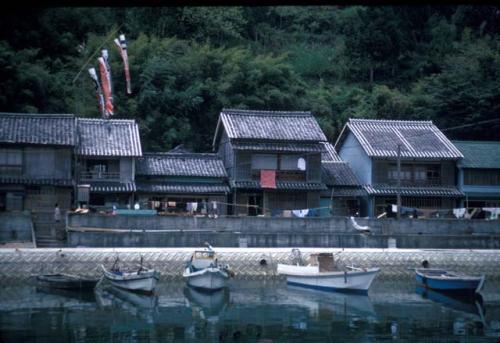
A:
<point x="329" y="154"/>
<point x="338" y="174"/>
<point x="271" y="125"/>
<point x="479" y="154"/>
<point x="280" y="185"/>
<point x="47" y="129"/>
<point x="414" y="191"/>
<point x="112" y="187"/>
<point x="108" y="137"/>
<point x="182" y="188"/>
<point x="28" y="181"/>
<point x="286" y="147"/>
<point x="180" y="164"/>
<point x="418" y="139"/>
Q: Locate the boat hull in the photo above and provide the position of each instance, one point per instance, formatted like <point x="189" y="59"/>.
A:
<point x="208" y="278"/>
<point x="58" y="281"/>
<point x="140" y="282"/>
<point x="349" y="281"/>
<point x="465" y="284"/>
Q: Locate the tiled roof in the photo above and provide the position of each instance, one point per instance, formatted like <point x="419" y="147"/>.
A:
<point x="329" y="154"/>
<point x="280" y="185"/>
<point x="47" y="129"/>
<point x="270" y="125"/>
<point x="112" y="187"/>
<point x="347" y="191"/>
<point x="415" y="191"/>
<point x="479" y="154"/>
<point x="175" y="164"/>
<point x="418" y="139"/>
<point x="108" y="137"/>
<point x="29" y="181"/>
<point x="268" y="146"/>
<point x="182" y="188"/>
<point x="338" y="174"/>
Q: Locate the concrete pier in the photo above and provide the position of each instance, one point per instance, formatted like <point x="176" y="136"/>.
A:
<point x="246" y="262"/>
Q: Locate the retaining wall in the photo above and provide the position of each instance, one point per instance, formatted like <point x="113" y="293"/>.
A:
<point x="15" y="227"/>
<point x="159" y="231"/>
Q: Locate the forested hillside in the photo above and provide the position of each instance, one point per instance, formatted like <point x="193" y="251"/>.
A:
<point x="435" y="63"/>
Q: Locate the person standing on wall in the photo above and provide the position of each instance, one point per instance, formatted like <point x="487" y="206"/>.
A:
<point x="57" y="213"/>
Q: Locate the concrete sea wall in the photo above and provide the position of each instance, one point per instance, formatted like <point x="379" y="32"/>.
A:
<point x="157" y="231"/>
<point x="246" y="262"/>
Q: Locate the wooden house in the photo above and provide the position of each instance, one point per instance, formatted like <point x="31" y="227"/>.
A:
<point x="36" y="161"/>
<point x="479" y="173"/>
<point x="106" y="154"/>
<point x="428" y="161"/>
<point x="168" y="182"/>
<point x="273" y="160"/>
<point x="344" y="193"/>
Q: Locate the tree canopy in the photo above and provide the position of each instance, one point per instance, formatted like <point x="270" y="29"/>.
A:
<point x="439" y="63"/>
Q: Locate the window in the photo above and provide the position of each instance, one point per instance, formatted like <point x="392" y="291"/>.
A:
<point x="11" y="162"/>
<point x="485" y="177"/>
<point x="290" y="162"/>
<point x="264" y="161"/>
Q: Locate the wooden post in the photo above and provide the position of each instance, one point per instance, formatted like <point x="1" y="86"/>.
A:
<point x="399" y="182"/>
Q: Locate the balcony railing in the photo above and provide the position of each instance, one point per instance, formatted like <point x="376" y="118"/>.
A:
<point x="413" y="183"/>
<point x="283" y="175"/>
<point x="14" y="171"/>
<point x="99" y="176"/>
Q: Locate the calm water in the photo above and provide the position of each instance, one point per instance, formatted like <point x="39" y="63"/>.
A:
<point x="248" y="311"/>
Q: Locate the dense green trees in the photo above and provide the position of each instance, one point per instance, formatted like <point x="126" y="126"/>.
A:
<point x="187" y="63"/>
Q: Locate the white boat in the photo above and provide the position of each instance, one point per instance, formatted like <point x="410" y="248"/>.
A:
<point x="142" y="280"/>
<point x="203" y="271"/>
<point x="320" y="274"/>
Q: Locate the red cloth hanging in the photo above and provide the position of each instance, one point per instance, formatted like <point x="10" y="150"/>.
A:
<point x="268" y="178"/>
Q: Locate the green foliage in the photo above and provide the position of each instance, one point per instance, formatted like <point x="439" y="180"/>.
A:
<point x="187" y="63"/>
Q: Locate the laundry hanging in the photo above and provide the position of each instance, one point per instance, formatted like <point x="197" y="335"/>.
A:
<point x="268" y="178"/>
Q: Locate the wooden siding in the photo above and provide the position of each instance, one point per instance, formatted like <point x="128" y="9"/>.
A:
<point x="126" y="169"/>
<point x="313" y="168"/>
<point x="226" y="153"/>
<point x="47" y="163"/>
<point x="243" y="160"/>
<point x="352" y="152"/>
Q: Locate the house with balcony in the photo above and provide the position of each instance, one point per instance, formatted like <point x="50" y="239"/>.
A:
<point x="273" y="160"/>
<point x="428" y="160"/>
<point x="172" y="182"/>
<point x="36" y="161"/>
<point x="106" y="155"/>
<point x="479" y="173"/>
<point x="344" y="194"/>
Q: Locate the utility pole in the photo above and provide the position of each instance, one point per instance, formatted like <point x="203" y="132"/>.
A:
<point x="399" y="182"/>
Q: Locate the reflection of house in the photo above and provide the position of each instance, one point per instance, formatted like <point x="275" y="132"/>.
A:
<point x="35" y="161"/>
<point x="273" y="159"/>
<point x="176" y="179"/>
<point x="344" y="191"/>
<point x="106" y="154"/>
<point x="479" y="173"/>
<point x="427" y="163"/>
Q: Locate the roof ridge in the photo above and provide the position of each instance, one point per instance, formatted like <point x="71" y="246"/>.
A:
<point x="38" y="115"/>
<point x="264" y="112"/>
<point x="181" y="154"/>
<point x="364" y="120"/>
<point x="100" y="120"/>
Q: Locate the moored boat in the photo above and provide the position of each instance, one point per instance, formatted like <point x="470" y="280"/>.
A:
<point x="141" y="280"/>
<point x="204" y="271"/>
<point x="320" y="274"/>
<point x="445" y="280"/>
<point x="66" y="281"/>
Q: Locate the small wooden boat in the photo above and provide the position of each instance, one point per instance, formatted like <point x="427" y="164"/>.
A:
<point x="66" y="281"/>
<point x="203" y="271"/>
<point x="320" y="274"/>
<point x="445" y="280"/>
<point x="141" y="280"/>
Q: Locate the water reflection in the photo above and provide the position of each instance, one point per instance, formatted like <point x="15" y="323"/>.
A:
<point x="249" y="310"/>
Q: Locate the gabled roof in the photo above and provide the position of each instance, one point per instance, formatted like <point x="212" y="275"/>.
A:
<point x="269" y="126"/>
<point x="418" y="139"/>
<point x="176" y="164"/>
<point x="334" y="171"/>
<point x="479" y="154"/>
<point x="46" y="129"/>
<point x="108" y="137"/>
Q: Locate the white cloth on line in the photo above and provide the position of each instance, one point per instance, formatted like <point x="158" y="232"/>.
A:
<point x="459" y="212"/>
<point x="394" y="208"/>
<point x="194" y="206"/>
<point x="301" y="163"/>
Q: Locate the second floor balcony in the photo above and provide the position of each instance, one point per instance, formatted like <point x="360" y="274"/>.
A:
<point x="99" y="176"/>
